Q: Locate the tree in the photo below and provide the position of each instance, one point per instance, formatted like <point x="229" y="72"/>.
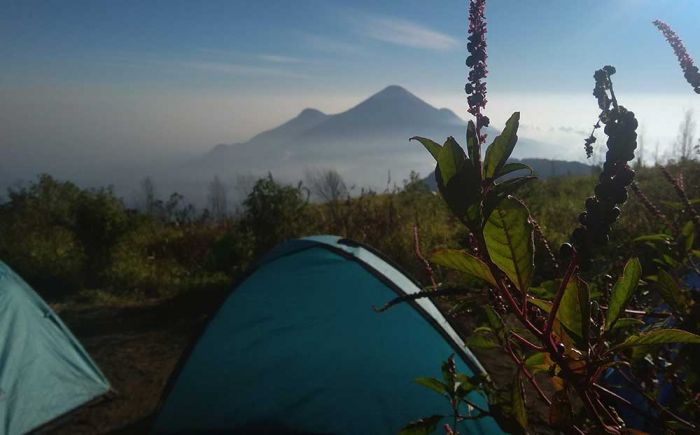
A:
<point x="327" y="185"/>
<point x="218" y="202"/>
<point x="148" y="192"/>
<point x="274" y="212"/>
<point x="683" y="148"/>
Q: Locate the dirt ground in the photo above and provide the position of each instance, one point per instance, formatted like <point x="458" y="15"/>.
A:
<point x="137" y="348"/>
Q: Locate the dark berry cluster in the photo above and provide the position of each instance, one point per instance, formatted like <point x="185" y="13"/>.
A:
<point x="475" y="87"/>
<point x="602" y="85"/>
<point x="602" y="210"/>
<point x="690" y="71"/>
<point x="590" y="140"/>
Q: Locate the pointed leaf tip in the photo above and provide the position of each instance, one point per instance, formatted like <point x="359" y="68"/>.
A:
<point x="432" y="146"/>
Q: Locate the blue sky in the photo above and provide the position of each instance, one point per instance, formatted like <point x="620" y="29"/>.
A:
<point x="190" y="74"/>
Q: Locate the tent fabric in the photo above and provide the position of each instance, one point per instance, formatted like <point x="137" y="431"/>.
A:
<point x="44" y="371"/>
<point x="297" y="348"/>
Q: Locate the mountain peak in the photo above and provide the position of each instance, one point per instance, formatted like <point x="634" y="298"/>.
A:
<point x="393" y="91"/>
<point x="310" y="113"/>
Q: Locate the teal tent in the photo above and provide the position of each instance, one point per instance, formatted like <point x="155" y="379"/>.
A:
<point x="44" y="372"/>
<point x="296" y="347"/>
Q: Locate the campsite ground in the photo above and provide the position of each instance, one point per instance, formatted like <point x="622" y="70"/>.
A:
<point x="138" y="346"/>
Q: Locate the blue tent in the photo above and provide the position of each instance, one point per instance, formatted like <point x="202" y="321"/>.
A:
<point x="44" y="372"/>
<point x="296" y="347"/>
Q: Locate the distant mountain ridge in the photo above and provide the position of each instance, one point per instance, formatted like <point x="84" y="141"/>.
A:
<point x="542" y="168"/>
<point x="363" y="143"/>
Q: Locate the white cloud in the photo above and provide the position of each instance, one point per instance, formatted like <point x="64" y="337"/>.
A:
<point x="240" y="69"/>
<point x="323" y="43"/>
<point x="407" y="33"/>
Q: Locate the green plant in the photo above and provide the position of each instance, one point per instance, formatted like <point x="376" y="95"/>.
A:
<point x="568" y="327"/>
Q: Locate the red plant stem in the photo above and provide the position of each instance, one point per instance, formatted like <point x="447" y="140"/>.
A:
<point x="593" y="409"/>
<point x="526" y="372"/>
<point x="560" y="294"/>
<point x="612" y="394"/>
<point x="502" y="288"/>
<point x="419" y="254"/>
<point x="527" y="342"/>
<point x="606" y="411"/>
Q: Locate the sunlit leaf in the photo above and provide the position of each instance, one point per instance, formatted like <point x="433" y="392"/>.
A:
<point x="501" y="191"/>
<point x="433" y="384"/>
<point x="622" y="291"/>
<point x="538" y="362"/>
<point x="463" y="262"/>
<point x="432" y="147"/>
<point x="659" y="336"/>
<point x="653" y="238"/>
<point x="500" y="150"/>
<point x="424" y="426"/>
<point x="509" y="241"/>
<point x="574" y="309"/>
<point x="480" y="341"/>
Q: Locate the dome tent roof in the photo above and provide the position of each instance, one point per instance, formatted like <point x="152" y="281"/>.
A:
<point x="297" y="347"/>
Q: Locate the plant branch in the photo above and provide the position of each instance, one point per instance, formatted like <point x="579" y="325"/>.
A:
<point x="423" y="294"/>
<point x="527" y="342"/>
<point x="573" y="264"/>
<point x="526" y="372"/>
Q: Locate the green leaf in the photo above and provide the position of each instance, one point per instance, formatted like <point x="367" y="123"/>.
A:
<point x="463" y="195"/>
<point x="463" y="262"/>
<point x="518" y="401"/>
<point x="688" y="235"/>
<point x="472" y="141"/>
<point x="501" y="191"/>
<point x="480" y="341"/>
<point x="653" y="238"/>
<point x="671" y="292"/>
<point x="623" y="290"/>
<point x="574" y="309"/>
<point x="450" y="160"/>
<point x="626" y="323"/>
<point x="483" y="330"/>
<point x="512" y="167"/>
<point x="538" y="362"/>
<point x="509" y="241"/>
<point x="495" y="321"/>
<point x="465" y="386"/>
<point x="433" y="148"/>
<point x="546" y="289"/>
<point x="545" y="306"/>
<point x="659" y="336"/>
<point x="433" y="384"/>
<point x="498" y="152"/>
<point x="449" y="371"/>
<point x="424" y="426"/>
